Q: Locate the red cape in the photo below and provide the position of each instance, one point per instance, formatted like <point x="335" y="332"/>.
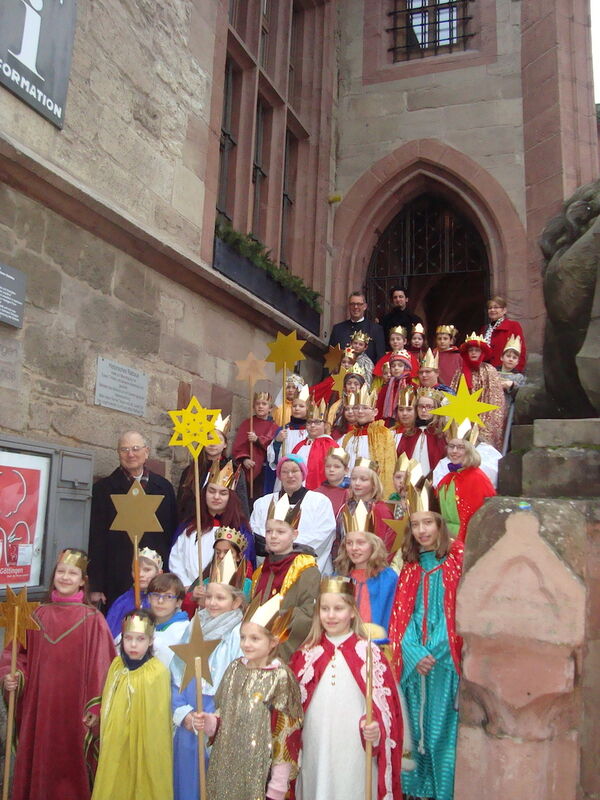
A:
<point x="265" y="429"/>
<point x="314" y="457"/>
<point x="323" y="390"/>
<point x="436" y="446"/>
<point x="471" y="487"/>
<point x="308" y="665"/>
<point x="500" y="336"/>
<point x="406" y="596"/>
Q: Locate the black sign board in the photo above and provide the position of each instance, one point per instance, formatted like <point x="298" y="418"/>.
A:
<point x="36" y="42"/>
<point x="12" y="295"/>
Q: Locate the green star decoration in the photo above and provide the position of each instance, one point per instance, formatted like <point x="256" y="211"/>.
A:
<point x="194" y="427"/>
<point x="463" y="405"/>
<point x="285" y="350"/>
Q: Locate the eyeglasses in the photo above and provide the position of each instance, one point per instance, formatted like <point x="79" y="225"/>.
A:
<point x="135" y="449"/>
<point x="162" y="598"/>
<point x="313" y="421"/>
<point x="456" y="447"/>
<point x="357" y="304"/>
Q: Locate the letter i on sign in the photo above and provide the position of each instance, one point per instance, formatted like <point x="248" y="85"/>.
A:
<point x="30" y="41"/>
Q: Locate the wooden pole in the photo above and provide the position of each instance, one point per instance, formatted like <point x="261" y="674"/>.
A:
<point x="368" y="720"/>
<point x="10" y="719"/>
<point x="198" y="519"/>
<point x="136" y="573"/>
<point x="283" y="404"/>
<point x="251" y="471"/>
<point x="201" y="762"/>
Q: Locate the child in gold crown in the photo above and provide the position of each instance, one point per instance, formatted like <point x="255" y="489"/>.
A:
<point x="331" y="669"/>
<point x="257" y="702"/>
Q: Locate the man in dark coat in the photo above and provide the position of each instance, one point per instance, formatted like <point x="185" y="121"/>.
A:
<point x="111" y="552"/>
<point x="399" y="315"/>
<point x="342" y="331"/>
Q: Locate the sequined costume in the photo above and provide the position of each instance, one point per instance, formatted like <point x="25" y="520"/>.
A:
<point x="376" y="442"/>
<point x="485" y="377"/>
<point x="260" y="716"/>
<point x="461" y="493"/>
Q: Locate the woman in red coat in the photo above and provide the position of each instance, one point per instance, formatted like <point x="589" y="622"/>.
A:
<point x="498" y="330"/>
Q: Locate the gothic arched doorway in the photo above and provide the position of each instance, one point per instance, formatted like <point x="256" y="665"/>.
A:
<point x="439" y="255"/>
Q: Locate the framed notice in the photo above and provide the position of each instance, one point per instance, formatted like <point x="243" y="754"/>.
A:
<point x="24" y="482"/>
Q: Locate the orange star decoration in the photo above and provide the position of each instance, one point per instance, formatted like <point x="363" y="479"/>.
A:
<point x="338" y="381"/>
<point x="399" y="528"/>
<point x="25" y="620"/>
<point x="197" y="647"/>
<point x="194" y="427"/>
<point x="136" y="512"/>
<point x="333" y="358"/>
<point x="251" y="369"/>
<point x="285" y="350"/>
<point x="463" y="405"/>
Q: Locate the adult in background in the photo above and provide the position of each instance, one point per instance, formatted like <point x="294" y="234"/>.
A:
<point x="341" y="332"/>
<point x="399" y="315"/>
<point x="111" y="552"/>
<point x="497" y="331"/>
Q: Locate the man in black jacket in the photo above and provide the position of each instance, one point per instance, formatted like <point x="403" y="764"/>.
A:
<point x="399" y="315"/>
<point x="342" y="331"/>
<point x="111" y="552"/>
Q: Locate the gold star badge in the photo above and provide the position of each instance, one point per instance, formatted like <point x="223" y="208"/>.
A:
<point x="136" y="512"/>
<point x="463" y="405"/>
<point x="24" y="620"/>
<point x="338" y="381"/>
<point x="197" y="647"/>
<point x="285" y="350"/>
<point x="333" y="358"/>
<point x="399" y="528"/>
<point x="251" y="369"/>
<point x="194" y="427"/>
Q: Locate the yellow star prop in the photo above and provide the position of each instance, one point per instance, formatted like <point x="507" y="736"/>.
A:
<point x="194" y="427"/>
<point x="285" y="351"/>
<point x="197" y="647"/>
<point x="399" y="528"/>
<point x="25" y="620"/>
<point x="338" y="381"/>
<point x="333" y="358"/>
<point x="251" y="369"/>
<point x="136" y="512"/>
<point x="463" y="405"/>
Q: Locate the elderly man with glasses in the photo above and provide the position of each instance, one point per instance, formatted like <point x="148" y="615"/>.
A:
<point x="111" y="552"/>
<point x="341" y="332"/>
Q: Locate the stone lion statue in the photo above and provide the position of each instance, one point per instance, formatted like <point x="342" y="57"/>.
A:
<point x="570" y="244"/>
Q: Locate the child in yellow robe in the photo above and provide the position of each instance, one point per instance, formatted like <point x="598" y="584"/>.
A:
<point x="136" y="754"/>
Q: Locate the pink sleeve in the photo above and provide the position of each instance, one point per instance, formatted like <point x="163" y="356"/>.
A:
<point x="280" y="778"/>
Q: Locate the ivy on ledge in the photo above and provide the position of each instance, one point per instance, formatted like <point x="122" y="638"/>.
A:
<point x="249" y="247"/>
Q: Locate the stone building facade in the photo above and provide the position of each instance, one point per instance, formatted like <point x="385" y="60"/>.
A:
<point x="293" y="121"/>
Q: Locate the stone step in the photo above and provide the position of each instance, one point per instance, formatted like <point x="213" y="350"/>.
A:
<point x="521" y="437"/>
<point x="565" y="432"/>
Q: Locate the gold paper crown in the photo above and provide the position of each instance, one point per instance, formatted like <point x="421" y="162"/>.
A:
<point x="355" y="369"/>
<point x="407" y="396"/>
<point x="450" y="329"/>
<point x="267" y="616"/>
<point x="226" y="477"/>
<point x="316" y="410"/>
<point x="466" y="431"/>
<point x="349" y="353"/>
<point x="226" y="571"/>
<point x="367" y="463"/>
<point x="261" y="396"/>
<point x="360" y="336"/>
<point x="151" y="555"/>
<point x="75" y="558"/>
<point x="284" y="511"/>
<point x="475" y="338"/>
<point x="304" y="393"/>
<point x="434" y="394"/>
<point x="420" y="494"/>
<point x="366" y="398"/>
<point x="399" y="329"/>
<point x="418" y="328"/>
<point x="430" y="361"/>
<point x="513" y="343"/>
<point x="296" y="379"/>
<point x="361" y="520"/>
<point x="402" y="463"/>
<point x="233" y="536"/>
<point x="223" y="425"/>
<point x="134" y="623"/>
<point x="339" y="452"/>
<point x="337" y="585"/>
<point x="400" y="355"/>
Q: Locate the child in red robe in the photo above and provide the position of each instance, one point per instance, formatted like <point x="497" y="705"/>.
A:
<point x="258" y="431"/>
<point x="314" y="447"/>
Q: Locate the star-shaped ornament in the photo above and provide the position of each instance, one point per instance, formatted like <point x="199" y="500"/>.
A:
<point x="399" y="528"/>
<point x="25" y="620"/>
<point x="463" y="405"/>
<point x="251" y="369"/>
<point x="338" y="381"/>
<point x="285" y="350"/>
<point x="194" y="427"/>
<point x="136" y="512"/>
<point x="197" y="647"/>
<point x="333" y="358"/>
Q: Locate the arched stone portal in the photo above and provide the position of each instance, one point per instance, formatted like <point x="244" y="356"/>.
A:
<point x="429" y="166"/>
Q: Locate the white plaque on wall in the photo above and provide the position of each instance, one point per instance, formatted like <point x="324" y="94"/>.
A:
<point x="120" y="387"/>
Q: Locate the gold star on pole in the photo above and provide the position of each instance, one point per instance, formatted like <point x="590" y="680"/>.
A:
<point x="399" y="528"/>
<point x="251" y="369"/>
<point x="333" y="358"/>
<point x="25" y="620"/>
<point x="463" y="405"/>
<point x="338" y="381"/>
<point x="197" y="647"/>
<point x="285" y="350"/>
<point x="136" y="512"/>
<point x="194" y="427"/>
